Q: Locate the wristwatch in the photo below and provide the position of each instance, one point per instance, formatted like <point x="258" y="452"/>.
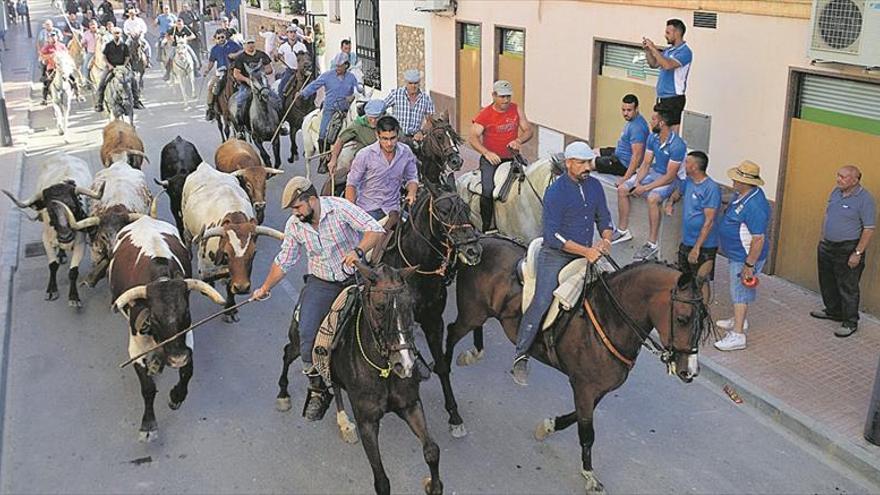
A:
<point x="360" y="252"/>
<point x="857" y="252"/>
<point x="748" y="264"/>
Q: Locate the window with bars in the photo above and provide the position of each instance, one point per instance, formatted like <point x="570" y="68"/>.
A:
<point x="366" y="25"/>
<point x="470" y="36"/>
<point x="625" y="61"/>
<point x="513" y="41"/>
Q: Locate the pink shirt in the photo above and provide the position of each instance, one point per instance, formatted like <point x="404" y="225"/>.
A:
<point x="89" y="40"/>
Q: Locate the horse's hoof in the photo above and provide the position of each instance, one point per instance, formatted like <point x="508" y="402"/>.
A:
<point x="75" y="303"/>
<point x="347" y="429"/>
<point x="282" y="404"/>
<point x="60" y="132"/>
<point x="592" y="486"/>
<point x="458" y="431"/>
<point x="148" y="436"/>
<point x="544" y="429"/>
<point x="291" y="159"/>
<point x="174" y="405"/>
<point x="431" y="487"/>
<point x="469" y="357"/>
<point x="51" y="295"/>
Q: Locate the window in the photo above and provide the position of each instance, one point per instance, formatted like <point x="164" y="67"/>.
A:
<point x="366" y="25"/>
<point x="626" y="62"/>
<point x="334" y="13"/>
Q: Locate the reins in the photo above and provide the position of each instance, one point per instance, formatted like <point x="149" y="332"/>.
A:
<point x="447" y="258"/>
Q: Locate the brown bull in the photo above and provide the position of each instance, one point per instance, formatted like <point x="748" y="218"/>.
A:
<point x="240" y="159"/>
<point x="121" y="138"/>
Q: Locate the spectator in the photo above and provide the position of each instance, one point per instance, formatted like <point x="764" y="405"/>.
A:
<point x="269" y="39"/>
<point x="702" y="199"/>
<point x="850" y="221"/>
<point x="655" y="180"/>
<point x="21" y="8"/>
<point x="233" y="21"/>
<point x="71" y="7"/>
<point x="674" y="64"/>
<point x="224" y="25"/>
<point x="742" y="233"/>
<point x="106" y="13"/>
<point x="412" y="106"/>
<point x="345" y="46"/>
<point x="625" y="158"/>
<point x="87" y="7"/>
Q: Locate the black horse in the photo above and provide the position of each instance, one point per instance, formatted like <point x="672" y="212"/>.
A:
<point x="373" y="361"/>
<point x="261" y="120"/>
<point x="296" y="108"/>
<point x="596" y="344"/>
<point x="438" y="152"/>
<point x="139" y="59"/>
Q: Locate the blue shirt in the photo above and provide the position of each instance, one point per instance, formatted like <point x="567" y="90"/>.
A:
<point x="634" y="132"/>
<point x="165" y="21"/>
<point x="336" y="89"/>
<point x="744" y="217"/>
<point x="673" y="82"/>
<point x="847" y="216"/>
<point x="571" y="209"/>
<point x="698" y="197"/>
<point x="673" y="149"/>
<point x="220" y="53"/>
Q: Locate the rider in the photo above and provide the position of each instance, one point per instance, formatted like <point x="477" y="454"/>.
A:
<point x="250" y="57"/>
<point x="190" y="19"/>
<point x="177" y="31"/>
<point x="135" y="27"/>
<point x="117" y="54"/>
<point x="572" y="205"/>
<point x="89" y="43"/>
<point x="362" y="131"/>
<point x="47" y="57"/>
<point x="164" y="21"/>
<point x="497" y="129"/>
<point x="411" y="105"/>
<point x="107" y="14"/>
<point x="380" y="170"/>
<point x="287" y="53"/>
<point x="333" y="234"/>
<point x="220" y="53"/>
<point x="224" y="25"/>
<point x="339" y="85"/>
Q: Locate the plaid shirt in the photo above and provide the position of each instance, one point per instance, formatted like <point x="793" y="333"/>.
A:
<point x="339" y="232"/>
<point x="410" y="115"/>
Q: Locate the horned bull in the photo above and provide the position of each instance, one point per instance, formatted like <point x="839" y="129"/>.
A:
<point x="241" y="160"/>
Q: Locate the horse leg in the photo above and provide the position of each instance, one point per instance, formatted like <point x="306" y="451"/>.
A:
<point x="291" y="352"/>
<point x="433" y="327"/>
<point x="276" y="150"/>
<point x="585" y="402"/>
<point x="179" y="392"/>
<point x="370" y="439"/>
<point x="263" y="153"/>
<point x="294" y="153"/>
<point x="149" y="429"/>
<point x="548" y="426"/>
<point x="347" y="429"/>
<point x="475" y="354"/>
<point x="414" y="416"/>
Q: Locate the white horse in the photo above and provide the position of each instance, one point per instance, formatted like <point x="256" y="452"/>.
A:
<point x="62" y="90"/>
<point x="182" y="71"/>
<point x="519" y="216"/>
<point x="311" y="126"/>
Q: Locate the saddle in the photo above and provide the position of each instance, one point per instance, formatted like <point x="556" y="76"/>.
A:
<point x="509" y="173"/>
<point x="342" y="312"/>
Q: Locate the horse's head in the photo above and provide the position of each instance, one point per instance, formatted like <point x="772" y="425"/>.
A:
<point x="304" y="67"/>
<point x="440" y="145"/>
<point x="449" y="223"/>
<point x="258" y="81"/>
<point x="388" y="305"/>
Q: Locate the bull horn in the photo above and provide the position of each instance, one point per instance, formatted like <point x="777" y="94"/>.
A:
<point x="154" y="204"/>
<point x="26" y="204"/>
<point x="127" y="297"/>
<point x="207" y="234"/>
<point x="163" y="183"/>
<point x="207" y="290"/>
<point x="261" y="230"/>
<point x="237" y="173"/>
<point x="85" y="191"/>
<point x="139" y="153"/>
<point x="78" y="224"/>
<point x="135" y="216"/>
<point x="273" y="171"/>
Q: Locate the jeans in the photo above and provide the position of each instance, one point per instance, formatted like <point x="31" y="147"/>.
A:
<point x="550" y="263"/>
<point x="285" y="78"/>
<point x="314" y="303"/>
<point x="377" y="214"/>
<point x="739" y="293"/>
<point x="838" y="283"/>
<point x="84" y="69"/>
<point x="487" y="199"/>
<point x="326" y="116"/>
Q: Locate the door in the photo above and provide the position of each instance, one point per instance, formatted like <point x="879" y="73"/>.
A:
<point x="366" y="25"/>
<point x="468" y="76"/>
<point x="622" y="71"/>
<point x="511" y="62"/>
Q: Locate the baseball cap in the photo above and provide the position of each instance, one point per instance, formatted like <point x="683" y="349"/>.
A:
<point x="250" y="39"/>
<point x="503" y="88"/>
<point x="579" y="150"/>
<point x="294" y="188"/>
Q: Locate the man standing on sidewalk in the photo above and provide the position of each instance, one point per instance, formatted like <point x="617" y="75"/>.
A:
<point x="850" y="220"/>
<point x="702" y="199"/>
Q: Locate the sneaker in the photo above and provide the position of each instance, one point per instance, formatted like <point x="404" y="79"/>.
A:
<point x="44" y="102"/>
<point x="846" y="329"/>
<point x="520" y="371"/>
<point x="621" y="236"/>
<point x="727" y="324"/>
<point x="647" y="251"/>
<point x="99" y="108"/>
<point x="824" y="315"/>
<point x="733" y="341"/>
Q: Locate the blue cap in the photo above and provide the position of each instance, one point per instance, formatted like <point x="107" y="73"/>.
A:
<point x="374" y="108"/>
<point x="341" y="58"/>
<point x="579" y="150"/>
<point x="412" y="76"/>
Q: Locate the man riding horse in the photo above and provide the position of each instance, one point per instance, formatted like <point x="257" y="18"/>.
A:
<point x="172" y="37"/>
<point x="135" y="28"/>
<point x="249" y="58"/>
<point x="335" y="235"/>
<point x="117" y="54"/>
<point x="411" y="105"/>
<point x="220" y="54"/>
<point x="47" y="56"/>
<point x="287" y="54"/>
<point x="339" y="86"/>
<point x="361" y="133"/>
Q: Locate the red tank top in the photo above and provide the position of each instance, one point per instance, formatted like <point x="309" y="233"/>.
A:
<point x="499" y="128"/>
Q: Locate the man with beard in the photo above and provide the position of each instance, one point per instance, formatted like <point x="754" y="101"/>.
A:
<point x="335" y="234"/>
<point x="674" y="64"/>
<point x="572" y="206"/>
<point x="626" y="157"/>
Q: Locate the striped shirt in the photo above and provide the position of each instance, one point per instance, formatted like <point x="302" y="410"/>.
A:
<point x="410" y="115"/>
<point x="339" y="232"/>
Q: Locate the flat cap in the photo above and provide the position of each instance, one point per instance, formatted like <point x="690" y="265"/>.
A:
<point x="412" y="76"/>
<point x="293" y="189"/>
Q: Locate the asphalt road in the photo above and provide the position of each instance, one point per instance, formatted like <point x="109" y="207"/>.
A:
<point x="72" y="415"/>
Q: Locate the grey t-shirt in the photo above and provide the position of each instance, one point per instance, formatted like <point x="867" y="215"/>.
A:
<point x="846" y="217"/>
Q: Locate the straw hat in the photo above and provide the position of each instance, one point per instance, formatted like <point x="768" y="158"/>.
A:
<point x="747" y="172"/>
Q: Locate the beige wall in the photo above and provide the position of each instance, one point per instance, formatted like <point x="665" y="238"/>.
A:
<point x="739" y="76"/>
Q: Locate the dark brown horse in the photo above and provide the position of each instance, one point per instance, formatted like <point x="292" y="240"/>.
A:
<point x="597" y="344"/>
<point x="297" y="108"/>
<point x="438" y="152"/>
<point x="221" y="107"/>
<point x="373" y="362"/>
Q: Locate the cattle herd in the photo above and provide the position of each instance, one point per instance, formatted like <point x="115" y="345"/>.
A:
<point x="147" y="261"/>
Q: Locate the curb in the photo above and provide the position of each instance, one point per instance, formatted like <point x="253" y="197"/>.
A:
<point x="832" y="445"/>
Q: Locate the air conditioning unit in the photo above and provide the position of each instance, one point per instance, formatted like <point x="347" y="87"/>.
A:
<point x="845" y="31"/>
<point x="437" y="6"/>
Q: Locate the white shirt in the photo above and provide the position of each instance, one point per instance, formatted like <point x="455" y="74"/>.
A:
<point x="134" y="26"/>
<point x="289" y="53"/>
<point x="270" y="38"/>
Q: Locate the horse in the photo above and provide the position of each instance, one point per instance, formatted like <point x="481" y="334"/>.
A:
<point x="438" y="152"/>
<point x="263" y="118"/>
<point x="221" y="105"/>
<point x="373" y="362"/>
<point x="182" y="71"/>
<point x="62" y="90"/>
<point x="297" y="108"/>
<point x="595" y="350"/>
<point x="118" y="97"/>
<point x="311" y="126"/>
<point x="519" y="215"/>
<point x="139" y="59"/>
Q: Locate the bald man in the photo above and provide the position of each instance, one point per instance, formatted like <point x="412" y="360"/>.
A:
<point x="850" y="221"/>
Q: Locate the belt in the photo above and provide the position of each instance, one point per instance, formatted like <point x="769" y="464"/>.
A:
<point x="840" y="243"/>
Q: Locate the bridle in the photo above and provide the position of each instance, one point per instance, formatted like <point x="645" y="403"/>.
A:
<point x="384" y="346"/>
<point x="438" y="146"/>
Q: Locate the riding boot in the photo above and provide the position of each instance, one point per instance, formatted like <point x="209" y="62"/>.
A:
<point x="317" y="399"/>
<point x="487" y="214"/>
<point x="324" y="160"/>
<point x="45" y="94"/>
